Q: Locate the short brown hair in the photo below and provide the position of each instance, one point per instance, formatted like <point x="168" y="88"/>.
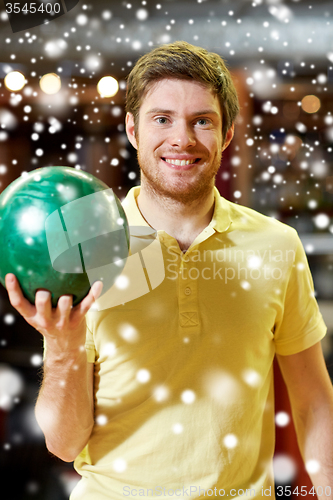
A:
<point x="186" y="61"/>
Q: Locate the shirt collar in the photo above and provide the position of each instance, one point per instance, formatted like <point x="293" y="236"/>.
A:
<point x="138" y="226"/>
<point x="220" y="221"/>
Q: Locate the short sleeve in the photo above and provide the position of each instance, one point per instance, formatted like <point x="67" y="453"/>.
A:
<point x="301" y="324"/>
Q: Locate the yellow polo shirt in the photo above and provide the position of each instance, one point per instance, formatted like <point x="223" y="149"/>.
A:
<point x="184" y="401"/>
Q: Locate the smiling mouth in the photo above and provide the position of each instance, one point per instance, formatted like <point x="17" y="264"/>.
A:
<point x="181" y="163"/>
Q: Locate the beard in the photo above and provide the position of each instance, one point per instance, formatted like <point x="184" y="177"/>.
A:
<point x="181" y="187"/>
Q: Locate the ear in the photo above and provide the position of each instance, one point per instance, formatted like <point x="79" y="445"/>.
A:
<point x="130" y="130"/>
<point x="228" y="137"/>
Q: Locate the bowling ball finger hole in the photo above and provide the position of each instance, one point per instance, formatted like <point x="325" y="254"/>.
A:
<point x="74" y="298"/>
<point x="42" y="290"/>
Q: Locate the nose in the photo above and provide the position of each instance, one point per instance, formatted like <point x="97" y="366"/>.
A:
<point x="182" y="135"/>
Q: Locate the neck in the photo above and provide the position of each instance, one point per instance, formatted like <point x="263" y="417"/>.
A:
<point x="183" y="221"/>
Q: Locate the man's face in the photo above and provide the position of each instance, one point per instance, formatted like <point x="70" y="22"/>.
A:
<point x="179" y="139"/>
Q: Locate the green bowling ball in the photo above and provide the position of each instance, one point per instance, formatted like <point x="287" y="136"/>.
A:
<point x="61" y="229"/>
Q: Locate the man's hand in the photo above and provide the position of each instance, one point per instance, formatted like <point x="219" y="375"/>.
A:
<point x="62" y="326"/>
<point x="65" y="405"/>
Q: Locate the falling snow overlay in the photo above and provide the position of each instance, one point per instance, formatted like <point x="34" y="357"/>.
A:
<point x="62" y="95"/>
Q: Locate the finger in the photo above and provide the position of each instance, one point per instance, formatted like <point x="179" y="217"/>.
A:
<point x="96" y="289"/>
<point x="43" y="303"/>
<point x="83" y="307"/>
<point x="64" y="307"/>
<point x="16" y="297"/>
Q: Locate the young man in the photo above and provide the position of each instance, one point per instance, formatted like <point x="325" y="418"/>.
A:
<point x="173" y="393"/>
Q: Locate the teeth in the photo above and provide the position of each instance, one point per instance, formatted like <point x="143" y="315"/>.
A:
<point x="179" y="162"/>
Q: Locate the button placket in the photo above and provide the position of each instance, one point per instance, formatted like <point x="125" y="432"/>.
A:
<point x="188" y="306"/>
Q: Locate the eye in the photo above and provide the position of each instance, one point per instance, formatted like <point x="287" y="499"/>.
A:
<point x="202" y="121"/>
<point x="162" y="120"/>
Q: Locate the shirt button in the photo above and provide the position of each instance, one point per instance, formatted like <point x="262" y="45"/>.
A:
<point x="187" y="290"/>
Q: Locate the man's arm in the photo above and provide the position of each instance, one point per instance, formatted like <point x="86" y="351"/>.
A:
<point x="65" y="408"/>
<point x="311" y="396"/>
<point x="65" y="405"/>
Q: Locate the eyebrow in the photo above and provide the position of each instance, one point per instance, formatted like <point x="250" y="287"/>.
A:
<point x="170" y="112"/>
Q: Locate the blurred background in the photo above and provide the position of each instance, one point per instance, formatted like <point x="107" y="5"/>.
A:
<point x="54" y="111"/>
